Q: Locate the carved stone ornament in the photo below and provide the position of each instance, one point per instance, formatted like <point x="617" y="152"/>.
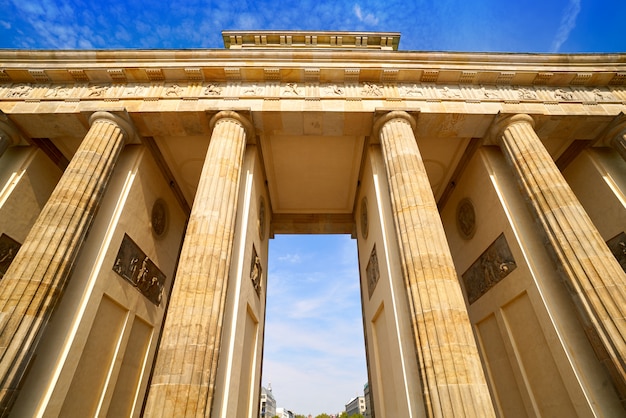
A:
<point x="256" y="272"/>
<point x="136" y="268"/>
<point x="466" y="218"/>
<point x="262" y="218"/>
<point x="373" y="272"/>
<point x="617" y="245"/>
<point x="364" y="219"/>
<point x="159" y="218"/>
<point x="8" y="249"/>
<point x="491" y="267"/>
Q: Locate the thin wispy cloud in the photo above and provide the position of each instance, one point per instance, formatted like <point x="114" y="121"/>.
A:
<point x="367" y="18"/>
<point x="568" y="23"/>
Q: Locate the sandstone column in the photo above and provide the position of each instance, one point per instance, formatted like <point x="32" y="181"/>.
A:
<point x="37" y="276"/>
<point x="451" y="375"/>
<point x="9" y="134"/>
<point x="183" y="383"/>
<point x="593" y="277"/>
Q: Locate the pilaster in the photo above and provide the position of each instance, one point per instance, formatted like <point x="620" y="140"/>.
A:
<point x="596" y="282"/>
<point x="451" y="376"/>
<point x="184" y="378"/>
<point x="35" y="281"/>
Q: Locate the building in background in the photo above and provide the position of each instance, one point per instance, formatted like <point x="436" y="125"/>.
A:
<point x="356" y="405"/>
<point x="485" y="192"/>
<point x="267" y="408"/>
<point x="284" y="413"/>
<point x="368" y="401"/>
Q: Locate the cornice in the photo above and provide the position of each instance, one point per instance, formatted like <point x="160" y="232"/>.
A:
<point x="296" y="65"/>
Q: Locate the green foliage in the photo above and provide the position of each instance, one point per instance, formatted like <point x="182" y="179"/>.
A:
<point x="323" y="416"/>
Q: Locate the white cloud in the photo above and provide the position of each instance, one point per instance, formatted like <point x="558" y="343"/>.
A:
<point x="290" y="258"/>
<point x="5" y="25"/>
<point x="568" y="23"/>
<point x="367" y="18"/>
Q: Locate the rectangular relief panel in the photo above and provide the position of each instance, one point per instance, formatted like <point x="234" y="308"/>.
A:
<point x="385" y="398"/>
<point x="137" y="269"/>
<point x="88" y="383"/>
<point x="542" y="375"/>
<point x="492" y="266"/>
<point x="129" y="377"/>
<point x="504" y="385"/>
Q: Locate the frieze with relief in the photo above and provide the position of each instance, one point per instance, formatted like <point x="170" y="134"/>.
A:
<point x="133" y="265"/>
<point x="489" y="269"/>
<point x="364" y="90"/>
<point x="8" y="249"/>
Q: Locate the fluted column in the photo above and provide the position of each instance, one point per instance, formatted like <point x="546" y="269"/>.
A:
<point x="34" y="282"/>
<point x="183" y="383"/>
<point x="450" y="370"/>
<point x="591" y="273"/>
<point x="9" y="134"/>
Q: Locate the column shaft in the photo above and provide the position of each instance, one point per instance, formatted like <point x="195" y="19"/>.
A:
<point x="37" y="276"/>
<point x="451" y="375"/>
<point x="184" y="378"/>
<point x="591" y="273"/>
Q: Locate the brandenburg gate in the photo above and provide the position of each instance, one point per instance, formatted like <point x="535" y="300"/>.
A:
<point x="140" y="190"/>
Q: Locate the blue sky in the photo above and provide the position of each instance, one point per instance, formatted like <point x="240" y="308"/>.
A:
<point x="459" y="25"/>
<point x="314" y="355"/>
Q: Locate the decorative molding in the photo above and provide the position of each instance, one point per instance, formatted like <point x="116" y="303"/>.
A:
<point x="466" y="219"/>
<point x="194" y="74"/>
<point x="310" y="90"/>
<point x="351" y="75"/>
<point x="39" y="76"/>
<point x="467" y="77"/>
<point x="79" y="75"/>
<point x="117" y="75"/>
<point x="581" y="79"/>
<point x="505" y="77"/>
<point x="154" y="74"/>
<point x="542" y="78"/>
<point x="489" y="269"/>
<point x="429" y="76"/>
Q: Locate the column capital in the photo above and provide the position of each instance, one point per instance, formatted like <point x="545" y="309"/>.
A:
<point x="502" y="122"/>
<point x="615" y="131"/>
<point x="9" y="131"/>
<point x="389" y="116"/>
<point x="236" y="116"/>
<point x="122" y="120"/>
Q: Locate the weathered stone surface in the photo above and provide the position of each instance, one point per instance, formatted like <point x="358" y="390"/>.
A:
<point x="34" y="282"/>
<point x="452" y="379"/>
<point x="596" y="282"/>
<point x="184" y="378"/>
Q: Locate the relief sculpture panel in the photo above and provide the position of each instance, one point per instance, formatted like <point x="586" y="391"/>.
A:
<point x="490" y="268"/>
<point x="136" y="268"/>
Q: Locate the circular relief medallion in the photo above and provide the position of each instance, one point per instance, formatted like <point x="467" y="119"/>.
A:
<point x="364" y="220"/>
<point x="262" y="218"/>
<point x="159" y="218"/>
<point x="466" y="218"/>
